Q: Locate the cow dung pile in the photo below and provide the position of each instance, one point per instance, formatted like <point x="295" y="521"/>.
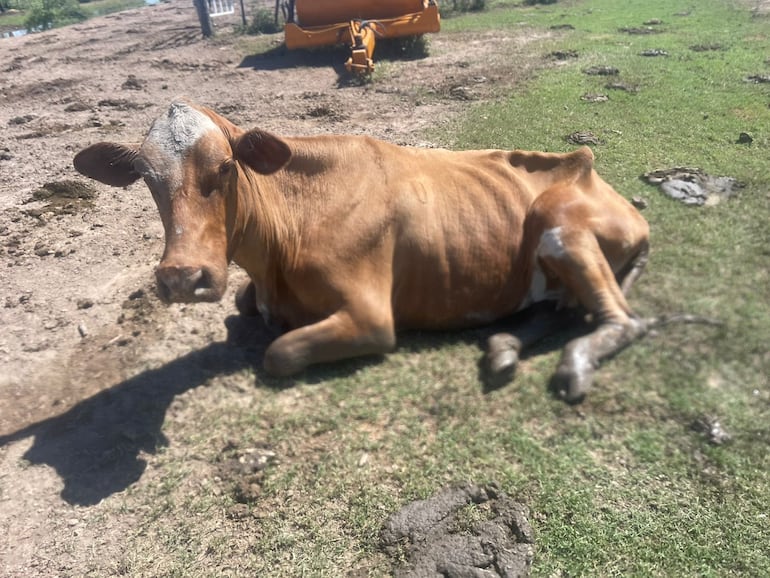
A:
<point x="460" y="532"/>
<point x="693" y="186"/>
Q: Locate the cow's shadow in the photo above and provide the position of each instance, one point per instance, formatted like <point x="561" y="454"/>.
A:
<point x="96" y="446"/>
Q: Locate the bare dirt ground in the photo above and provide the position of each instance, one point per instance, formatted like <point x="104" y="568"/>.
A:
<point x="91" y="365"/>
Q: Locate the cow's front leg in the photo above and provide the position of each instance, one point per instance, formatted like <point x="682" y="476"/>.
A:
<point x="246" y="299"/>
<point x="339" y="336"/>
<point x="582" y="356"/>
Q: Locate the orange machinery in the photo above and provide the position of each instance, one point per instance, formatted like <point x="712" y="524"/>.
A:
<point x="357" y="23"/>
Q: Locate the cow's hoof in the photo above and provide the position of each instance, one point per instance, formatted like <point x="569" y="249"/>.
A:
<point x="502" y="359"/>
<point x="246" y="299"/>
<point x="282" y="360"/>
<point x="569" y="385"/>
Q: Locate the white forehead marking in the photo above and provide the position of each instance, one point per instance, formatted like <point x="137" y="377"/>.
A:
<point x="179" y="129"/>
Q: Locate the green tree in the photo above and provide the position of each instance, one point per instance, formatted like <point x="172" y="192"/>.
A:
<point x="46" y="14"/>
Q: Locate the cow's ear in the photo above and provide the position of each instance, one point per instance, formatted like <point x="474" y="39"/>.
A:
<point x="262" y="151"/>
<point x="109" y="163"/>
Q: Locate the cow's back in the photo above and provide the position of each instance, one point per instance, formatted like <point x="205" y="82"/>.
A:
<point x="445" y="229"/>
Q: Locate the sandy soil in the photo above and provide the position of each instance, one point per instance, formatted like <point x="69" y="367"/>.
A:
<point x="79" y="318"/>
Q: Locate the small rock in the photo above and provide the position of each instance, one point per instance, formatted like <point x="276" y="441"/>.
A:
<point x="17" y="120"/>
<point x="76" y="107"/>
<point x="711" y="427"/>
<point x="238" y="511"/>
<point x="461" y="93"/>
<point x="653" y="52"/>
<point x="132" y="83"/>
<point x="706" y="47"/>
<point x="758" y="78"/>
<point x="82" y="330"/>
<point x="138" y="294"/>
<point x="639" y="203"/>
<point x="589" y="97"/>
<point x="744" y="138"/>
<point x="84" y="303"/>
<point x="563" y="54"/>
<point x="42" y="250"/>
<point x="621" y="86"/>
<point x="639" y="30"/>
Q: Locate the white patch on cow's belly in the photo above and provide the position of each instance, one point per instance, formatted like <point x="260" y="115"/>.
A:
<point x="538" y="290"/>
<point x="550" y="245"/>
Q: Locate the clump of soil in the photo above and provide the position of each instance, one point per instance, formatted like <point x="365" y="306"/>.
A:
<point x="601" y="71"/>
<point x="244" y="469"/>
<point x="63" y="198"/>
<point x="711" y="428"/>
<point x="639" y="30"/>
<point x="706" y="47"/>
<point x="459" y="532"/>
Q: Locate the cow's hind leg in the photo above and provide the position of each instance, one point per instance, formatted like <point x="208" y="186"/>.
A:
<point x="573" y="254"/>
<point x="504" y="349"/>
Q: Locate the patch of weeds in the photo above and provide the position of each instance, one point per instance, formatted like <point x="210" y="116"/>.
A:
<point x="263" y="22"/>
<point x="452" y="7"/>
<point x="405" y="48"/>
<point x="467" y="517"/>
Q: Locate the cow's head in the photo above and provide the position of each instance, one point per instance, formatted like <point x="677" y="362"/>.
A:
<point x="192" y="160"/>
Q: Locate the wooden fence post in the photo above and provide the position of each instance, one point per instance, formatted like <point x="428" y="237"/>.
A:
<point x="202" y="7"/>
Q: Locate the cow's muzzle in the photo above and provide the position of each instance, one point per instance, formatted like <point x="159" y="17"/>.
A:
<point x="182" y="284"/>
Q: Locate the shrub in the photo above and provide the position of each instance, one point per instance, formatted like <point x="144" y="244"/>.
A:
<point x="263" y="23"/>
<point x="47" y="14"/>
<point x="467" y="5"/>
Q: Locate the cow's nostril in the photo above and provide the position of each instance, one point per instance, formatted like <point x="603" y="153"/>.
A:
<point x="202" y="283"/>
<point x="164" y="292"/>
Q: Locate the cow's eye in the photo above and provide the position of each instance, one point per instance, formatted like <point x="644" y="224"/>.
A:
<point x="225" y="168"/>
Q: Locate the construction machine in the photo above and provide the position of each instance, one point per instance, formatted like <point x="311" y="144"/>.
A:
<point x="357" y="24"/>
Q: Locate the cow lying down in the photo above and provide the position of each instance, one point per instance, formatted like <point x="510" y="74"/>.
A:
<point x="348" y="239"/>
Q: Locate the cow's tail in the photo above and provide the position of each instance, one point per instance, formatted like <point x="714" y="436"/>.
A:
<point x="652" y="323"/>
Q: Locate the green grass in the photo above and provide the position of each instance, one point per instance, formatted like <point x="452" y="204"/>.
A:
<point x="89" y="9"/>
<point x="620" y="486"/>
<point x="102" y="7"/>
<point x="645" y="495"/>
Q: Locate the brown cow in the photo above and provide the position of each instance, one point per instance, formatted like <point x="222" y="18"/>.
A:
<point x="348" y="239"/>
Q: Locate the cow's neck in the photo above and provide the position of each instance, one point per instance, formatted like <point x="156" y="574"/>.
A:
<point x="263" y="228"/>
